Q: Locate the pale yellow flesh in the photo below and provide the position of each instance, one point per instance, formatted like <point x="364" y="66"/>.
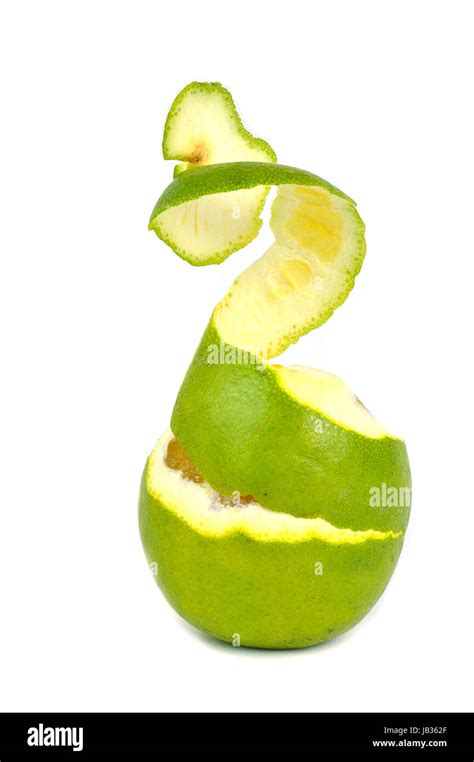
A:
<point x="198" y="505"/>
<point x="213" y="225"/>
<point x="282" y="294"/>
<point x="327" y="394"/>
<point x="207" y="130"/>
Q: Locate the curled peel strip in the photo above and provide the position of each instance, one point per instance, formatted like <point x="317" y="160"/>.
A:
<point x="307" y="272"/>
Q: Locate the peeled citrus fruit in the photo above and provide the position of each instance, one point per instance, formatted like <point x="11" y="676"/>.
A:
<point x="258" y="508"/>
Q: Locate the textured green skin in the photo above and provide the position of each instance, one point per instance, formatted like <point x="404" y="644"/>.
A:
<point x="267" y="593"/>
<point x="222" y="178"/>
<point x="234" y="175"/>
<point x="244" y="433"/>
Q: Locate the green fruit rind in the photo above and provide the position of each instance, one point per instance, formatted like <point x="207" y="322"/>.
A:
<point x="179" y="168"/>
<point x="244" y="432"/>
<point x="231" y="176"/>
<point x="272" y="580"/>
<point x="224" y="188"/>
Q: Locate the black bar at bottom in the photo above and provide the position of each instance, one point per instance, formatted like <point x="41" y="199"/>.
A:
<point x="142" y="736"/>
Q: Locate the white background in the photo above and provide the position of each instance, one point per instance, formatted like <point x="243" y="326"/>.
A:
<point x="99" y="322"/>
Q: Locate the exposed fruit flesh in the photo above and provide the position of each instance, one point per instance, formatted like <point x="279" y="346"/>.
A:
<point x="195" y="503"/>
<point x="177" y="460"/>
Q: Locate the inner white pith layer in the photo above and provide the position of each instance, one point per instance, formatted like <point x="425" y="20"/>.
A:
<point x="200" y="506"/>
<point x="328" y="394"/>
<point x="304" y="275"/>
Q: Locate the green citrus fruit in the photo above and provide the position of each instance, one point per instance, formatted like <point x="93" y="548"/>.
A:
<point x="275" y="508"/>
<point x="250" y="576"/>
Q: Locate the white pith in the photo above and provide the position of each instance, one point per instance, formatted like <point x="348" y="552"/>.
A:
<point x="304" y="274"/>
<point x="328" y="394"/>
<point x="198" y="506"/>
<point x="212" y="226"/>
<point x="205" y="128"/>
